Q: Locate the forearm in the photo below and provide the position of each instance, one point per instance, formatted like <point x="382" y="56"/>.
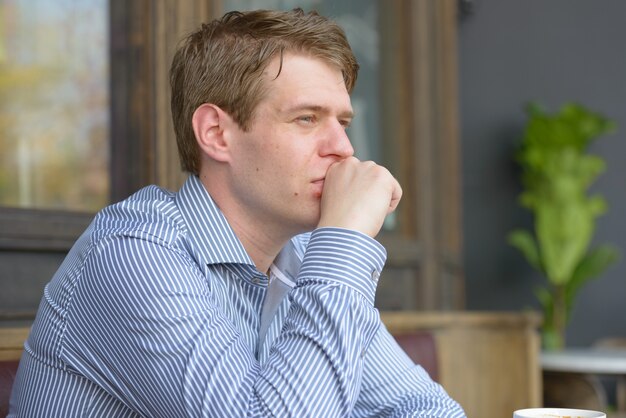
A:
<point x="315" y="366"/>
<point x="425" y="406"/>
<point x="393" y="386"/>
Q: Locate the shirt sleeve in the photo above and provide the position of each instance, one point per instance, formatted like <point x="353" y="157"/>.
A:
<point x="145" y="327"/>
<point x="329" y="327"/>
<point x="392" y="384"/>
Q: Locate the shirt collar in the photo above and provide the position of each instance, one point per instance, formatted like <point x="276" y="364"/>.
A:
<point x="286" y="266"/>
<point x="213" y="241"/>
<point x="212" y="238"/>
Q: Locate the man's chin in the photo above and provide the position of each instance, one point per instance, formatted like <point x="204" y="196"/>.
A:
<point x="310" y="225"/>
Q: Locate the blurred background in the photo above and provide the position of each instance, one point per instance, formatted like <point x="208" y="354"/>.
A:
<point x="553" y="52"/>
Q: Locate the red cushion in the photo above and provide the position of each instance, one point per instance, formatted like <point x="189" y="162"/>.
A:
<point x="422" y="349"/>
<point x="8" y="370"/>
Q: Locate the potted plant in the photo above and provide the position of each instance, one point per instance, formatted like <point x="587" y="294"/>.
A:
<point x="556" y="172"/>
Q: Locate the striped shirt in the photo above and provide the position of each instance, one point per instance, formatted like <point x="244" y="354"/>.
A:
<point x="158" y="311"/>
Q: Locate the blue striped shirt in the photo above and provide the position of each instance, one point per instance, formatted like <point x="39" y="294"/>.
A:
<point x="157" y="311"/>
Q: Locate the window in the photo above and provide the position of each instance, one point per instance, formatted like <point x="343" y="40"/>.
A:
<point x="54" y="138"/>
<point x="54" y="104"/>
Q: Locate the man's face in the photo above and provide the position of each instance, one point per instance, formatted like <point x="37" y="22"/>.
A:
<point x="297" y="132"/>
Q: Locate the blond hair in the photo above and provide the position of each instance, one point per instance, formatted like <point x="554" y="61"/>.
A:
<point x="223" y="61"/>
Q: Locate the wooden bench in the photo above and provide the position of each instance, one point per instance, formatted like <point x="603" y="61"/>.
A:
<point x="488" y="361"/>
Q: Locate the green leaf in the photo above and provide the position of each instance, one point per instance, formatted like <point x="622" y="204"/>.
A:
<point x="564" y="230"/>
<point x="590" y="267"/>
<point x="525" y="243"/>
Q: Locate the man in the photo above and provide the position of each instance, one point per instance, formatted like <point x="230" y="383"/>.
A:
<point x="214" y="301"/>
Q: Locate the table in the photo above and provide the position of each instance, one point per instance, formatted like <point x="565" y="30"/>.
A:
<point x="593" y="361"/>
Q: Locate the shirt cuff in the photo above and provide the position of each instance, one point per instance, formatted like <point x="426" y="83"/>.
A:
<point x="345" y="256"/>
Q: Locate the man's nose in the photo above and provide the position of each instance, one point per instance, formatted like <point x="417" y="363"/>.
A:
<point x="337" y="142"/>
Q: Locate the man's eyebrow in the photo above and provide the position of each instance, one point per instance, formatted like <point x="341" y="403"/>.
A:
<point x="348" y="114"/>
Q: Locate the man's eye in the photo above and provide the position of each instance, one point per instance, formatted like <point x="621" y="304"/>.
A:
<point x="345" y="123"/>
<point x="306" y="119"/>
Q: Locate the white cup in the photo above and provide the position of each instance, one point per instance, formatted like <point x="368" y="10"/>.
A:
<point x="557" y="413"/>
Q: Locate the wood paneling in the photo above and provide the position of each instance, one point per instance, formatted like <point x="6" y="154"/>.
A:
<point x="40" y="230"/>
<point x="24" y="275"/>
<point x="12" y="342"/>
<point x="420" y="128"/>
<point x="144" y="36"/>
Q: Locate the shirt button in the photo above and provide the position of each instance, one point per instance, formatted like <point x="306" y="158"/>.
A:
<point x="375" y="276"/>
<point x="256" y="280"/>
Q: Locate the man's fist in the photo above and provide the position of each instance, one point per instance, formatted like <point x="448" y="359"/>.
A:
<point x="358" y="195"/>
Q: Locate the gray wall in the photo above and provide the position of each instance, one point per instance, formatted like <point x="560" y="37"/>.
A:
<point x="552" y="51"/>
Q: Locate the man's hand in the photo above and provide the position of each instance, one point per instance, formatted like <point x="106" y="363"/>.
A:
<point x="358" y="195"/>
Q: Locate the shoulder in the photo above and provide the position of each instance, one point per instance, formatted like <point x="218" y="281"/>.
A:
<point x="141" y="243"/>
<point x="150" y="214"/>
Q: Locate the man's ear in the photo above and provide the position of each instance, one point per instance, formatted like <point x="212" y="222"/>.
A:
<point x="208" y="123"/>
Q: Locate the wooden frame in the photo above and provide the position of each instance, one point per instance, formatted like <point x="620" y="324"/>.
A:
<point x="420" y="113"/>
<point x="144" y="35"/>
<point x="40" y="230"/>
